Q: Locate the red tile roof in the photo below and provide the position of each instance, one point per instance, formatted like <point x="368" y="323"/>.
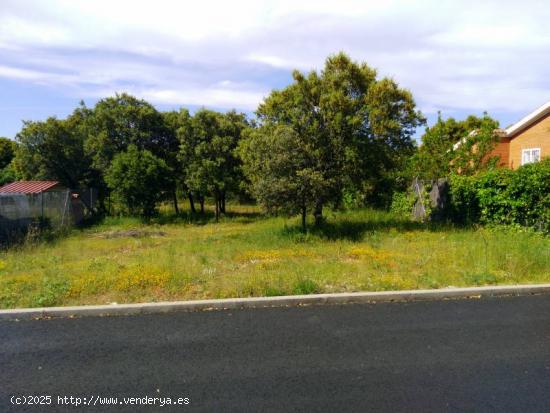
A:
<point x="28" y="187"/>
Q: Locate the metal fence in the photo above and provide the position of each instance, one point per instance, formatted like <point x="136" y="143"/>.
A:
<point x="18" y="211"/>
<point x="431" y="199"/>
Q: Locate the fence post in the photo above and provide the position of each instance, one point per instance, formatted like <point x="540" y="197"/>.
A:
<point x="67" y="196"/>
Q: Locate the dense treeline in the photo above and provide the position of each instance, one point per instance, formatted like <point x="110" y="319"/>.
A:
<point x="336" y="137"/>
<point x="135" y="154"/>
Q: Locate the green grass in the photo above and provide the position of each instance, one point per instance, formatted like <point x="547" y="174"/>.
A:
<point x="125" y="260"/>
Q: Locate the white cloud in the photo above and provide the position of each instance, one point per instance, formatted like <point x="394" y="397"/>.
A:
<point x="464" y="55"/>
<point x="272" y="61"/>
<point x="36" y="76"/>
<point x="216" y="96"/>
<point x="15" y="73"/>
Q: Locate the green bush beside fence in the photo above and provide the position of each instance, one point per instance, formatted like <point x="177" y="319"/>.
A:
<point x="520" y="197"/>
<point x="499" y="196"/>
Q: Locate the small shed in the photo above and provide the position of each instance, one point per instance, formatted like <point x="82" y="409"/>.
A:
<point x="25" y="202"/>
<point x="31" y="187"/>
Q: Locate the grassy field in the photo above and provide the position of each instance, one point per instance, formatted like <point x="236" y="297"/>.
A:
<point x="124" y="260"/>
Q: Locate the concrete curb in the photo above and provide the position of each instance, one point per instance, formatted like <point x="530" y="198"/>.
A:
<point x="283" y="301"/>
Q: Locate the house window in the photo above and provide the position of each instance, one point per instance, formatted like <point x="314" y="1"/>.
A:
<point x="530" y="155"/>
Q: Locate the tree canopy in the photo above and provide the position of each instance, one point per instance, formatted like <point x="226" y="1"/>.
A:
<point x="281" y="171"/>
<point x="208" y="153"/>
<point x="124" y="120"/>
<point x="353" y="127"/>
<point x="452" y="146"/>
<point x="54" y="150"/>
<point x="137" y="179"/>
<point x="7" y="151"/>
<point x="327" y="137"/>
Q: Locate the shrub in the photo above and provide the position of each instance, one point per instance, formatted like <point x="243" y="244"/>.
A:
<point x="351" y="199"/>
<point x="520" y="197"/>
<point x="464" y="204"/>
<point x="529" y="191"/>
<point x="402" y="204"/>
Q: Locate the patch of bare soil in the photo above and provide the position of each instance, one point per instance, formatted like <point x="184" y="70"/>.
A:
<point x="131" y="233"/>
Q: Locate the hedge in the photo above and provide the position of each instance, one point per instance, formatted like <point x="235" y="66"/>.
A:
<point x="403" y="203"/>
<point x="502" y="196"/>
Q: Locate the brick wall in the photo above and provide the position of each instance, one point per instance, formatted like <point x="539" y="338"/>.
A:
<point x="536" y="136"/>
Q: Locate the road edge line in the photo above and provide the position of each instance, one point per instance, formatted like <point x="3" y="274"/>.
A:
<point x="279" y="301"/>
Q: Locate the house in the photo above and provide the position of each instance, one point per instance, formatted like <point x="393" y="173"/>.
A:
<point x="526" y="141"/>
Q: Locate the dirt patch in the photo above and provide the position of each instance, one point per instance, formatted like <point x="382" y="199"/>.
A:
<point x="131" y="233"/>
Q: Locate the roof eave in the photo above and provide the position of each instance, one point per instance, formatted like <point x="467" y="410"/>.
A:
<point x="528" y="120"/>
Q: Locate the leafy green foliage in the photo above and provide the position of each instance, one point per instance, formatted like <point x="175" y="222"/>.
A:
<point x="78" y="150"/>
<point x="433" y="158"/>
<point x="137" y="179"/>
<point x="177" y="124"/>
<point x="438" y="156"/>
<point x="402" y="204"/>
<point x="352" y="129"/>
<point x="334" y="137"/>
<point x="281" y="170"/>
<point x="501" y="196"/>
<point x="8" y="174"/>
<point x="464" y="208"/>
<point x="7" y="151"/>
<point x="471" y="156"/>
<point x="54" y="150"/>
<point x="124" y="120"/>
<point x="208" y="143"/>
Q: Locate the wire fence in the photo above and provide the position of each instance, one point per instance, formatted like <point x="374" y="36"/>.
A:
<point x="431" y="199"/>
<point x="52" y="209"/>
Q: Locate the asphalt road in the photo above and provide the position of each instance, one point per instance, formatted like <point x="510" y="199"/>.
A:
<point x="467" y="355"/>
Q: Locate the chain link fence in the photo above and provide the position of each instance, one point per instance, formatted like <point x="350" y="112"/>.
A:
<point x="51" y="209"/>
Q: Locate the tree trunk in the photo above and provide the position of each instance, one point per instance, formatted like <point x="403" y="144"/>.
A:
<point x="304" y="211"/>
<point x="222" y="202"/>
<point x="175" y="198"/>
<point x="191" y="202"/>
<point x="318" y="213"/>
<point x="201" y="201"/>
<point x="217" y="201"/>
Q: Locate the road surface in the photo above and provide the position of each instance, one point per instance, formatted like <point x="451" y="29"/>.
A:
<point x="466" y="355"/>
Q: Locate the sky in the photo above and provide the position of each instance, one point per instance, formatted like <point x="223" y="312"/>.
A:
<point x="457" y="57"/>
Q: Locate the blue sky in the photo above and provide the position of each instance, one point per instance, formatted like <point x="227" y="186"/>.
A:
<point x="457" y="57"/>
